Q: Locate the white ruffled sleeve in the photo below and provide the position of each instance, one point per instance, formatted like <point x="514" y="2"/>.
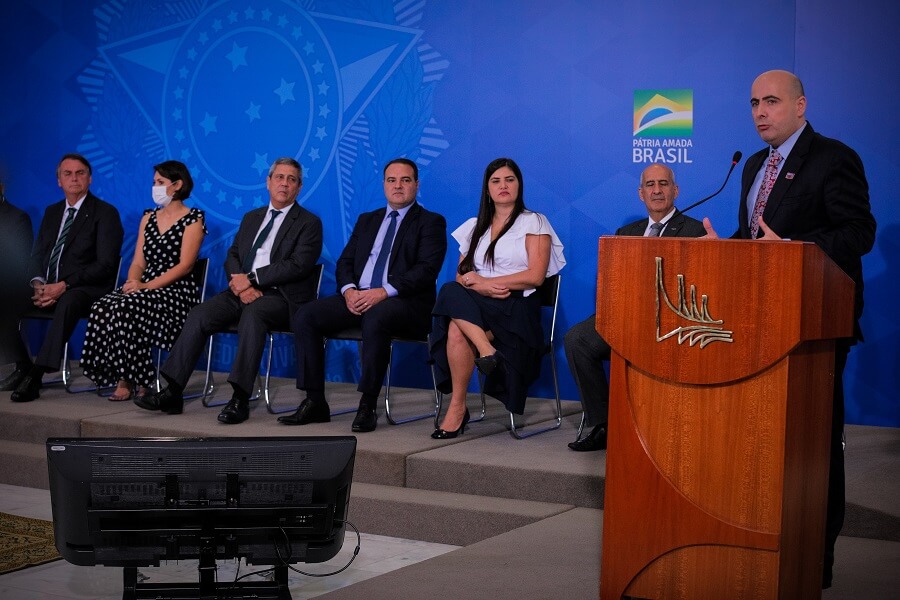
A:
<point x="537" y="224"/>
<point x="463" y="235"/>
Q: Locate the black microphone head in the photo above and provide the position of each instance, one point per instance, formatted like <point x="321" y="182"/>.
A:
<point x="736" y="158"/>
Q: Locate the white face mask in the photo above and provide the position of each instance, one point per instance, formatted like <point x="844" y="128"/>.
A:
<point x="159" y="196"/>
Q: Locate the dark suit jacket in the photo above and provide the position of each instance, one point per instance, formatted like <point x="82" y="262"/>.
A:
<point x="297" y="247"/>
<point x="821" y="196"/>
<point x="90" y="257"/>
<point x="679" y="226"/>
<point x="420" y="245"/>
<point x="16" y="239"/>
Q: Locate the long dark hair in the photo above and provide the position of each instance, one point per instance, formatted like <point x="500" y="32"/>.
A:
<point x="486" y="214"/>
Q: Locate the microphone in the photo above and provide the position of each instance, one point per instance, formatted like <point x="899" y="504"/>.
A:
<point x="734" y="161"/>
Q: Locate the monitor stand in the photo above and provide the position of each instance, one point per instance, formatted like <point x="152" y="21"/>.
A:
<point x="208" y="588"/>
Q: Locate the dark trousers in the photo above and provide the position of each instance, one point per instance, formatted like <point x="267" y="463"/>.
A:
<point x="219" y="313"/>
<point x="834" y="516"/>
<point x="318" y="319"/>
<point x="12" y="346"/>
<point x="586" y="351"/>
<point x="73" y="305"/>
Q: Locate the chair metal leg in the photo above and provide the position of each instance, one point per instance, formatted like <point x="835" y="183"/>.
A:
<point x="65" y="375"/>
<point x="581" y="426"/>
<point x="157" y="384"/>
<point x="265" y="390"/>
<point x="387" y="397"/>
<point x="518" y="433"/>
<point x="67" y="379"/>
<point x="209" y="385"/>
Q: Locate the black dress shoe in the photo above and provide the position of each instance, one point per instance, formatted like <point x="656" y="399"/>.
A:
<point x="441" y="434"/>
<point x="167" y="401"/>
<point x="488" y="364"/>
<point x="595" y="440"/>
<point x="12" y="381"/>
<point x="28" y="389"/>
<point x="366" y="419"/>
<point x="308" y="412"/>
<point x="236" y="411"/>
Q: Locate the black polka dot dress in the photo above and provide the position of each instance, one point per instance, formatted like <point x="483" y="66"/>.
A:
<point x="123" y="329"/>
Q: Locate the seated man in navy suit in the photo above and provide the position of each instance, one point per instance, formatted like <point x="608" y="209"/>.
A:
<point x="585" y="349"/>
<point x="386" y="282"/>
<point x="73" y="264"/>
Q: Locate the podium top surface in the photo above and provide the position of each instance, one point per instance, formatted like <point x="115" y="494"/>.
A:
<point x="712" y="311"/>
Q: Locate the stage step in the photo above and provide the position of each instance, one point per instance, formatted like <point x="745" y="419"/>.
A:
<point x="443" y="517"/>
<point x="409" y="485"/>
<point x="23" y="464"/>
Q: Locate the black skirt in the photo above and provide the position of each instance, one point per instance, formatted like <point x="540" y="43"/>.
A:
<point x="518" y="336"/>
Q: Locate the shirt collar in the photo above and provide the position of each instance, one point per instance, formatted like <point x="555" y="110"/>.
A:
<point x="788" y="145"/>
<point x="401" y="211"/>
<point x="665" y="219"/>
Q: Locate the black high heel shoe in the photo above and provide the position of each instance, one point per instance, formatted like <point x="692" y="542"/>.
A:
<point x="488" y="364"/>
<point x="440" y="434"/>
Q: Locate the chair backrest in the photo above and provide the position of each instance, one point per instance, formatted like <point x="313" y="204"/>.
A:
<point x="199" y="274"/>
<point x="548" y="292"/>
<point x="321" y="268"/>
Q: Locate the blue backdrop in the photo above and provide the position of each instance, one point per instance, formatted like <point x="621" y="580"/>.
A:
<point x="569" y="89"/>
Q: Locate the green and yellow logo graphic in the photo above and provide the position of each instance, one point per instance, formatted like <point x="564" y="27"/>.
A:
<point x="663" y="113"/>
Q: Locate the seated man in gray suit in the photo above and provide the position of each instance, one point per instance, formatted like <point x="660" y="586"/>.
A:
<point x="585" y="349"/>
<point x="272" y="271"/>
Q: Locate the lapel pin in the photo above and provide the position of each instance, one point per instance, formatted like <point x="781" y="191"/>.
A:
<point x="789" y="176"/>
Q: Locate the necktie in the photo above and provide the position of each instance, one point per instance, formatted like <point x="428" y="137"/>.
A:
<point x="764" y="189"/>
<point x="381" y="261"/>
<point x="656" y="229"/>
<point x="247" y="265"/>
<point x="52" y="274"/>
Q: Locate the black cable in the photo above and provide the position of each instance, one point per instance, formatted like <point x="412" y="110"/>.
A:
<point x="344" y="568"/>
<point x="286" y="563"/>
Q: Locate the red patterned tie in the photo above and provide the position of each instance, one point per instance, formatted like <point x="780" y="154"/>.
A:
<point x="764" y="189"/>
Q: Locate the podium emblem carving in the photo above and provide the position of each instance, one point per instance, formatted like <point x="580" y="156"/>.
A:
<point x="703" y="329"/>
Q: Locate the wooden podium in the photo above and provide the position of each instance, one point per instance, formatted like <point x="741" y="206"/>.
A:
<point x="720" y="414"/>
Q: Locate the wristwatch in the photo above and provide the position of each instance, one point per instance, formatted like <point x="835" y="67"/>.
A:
<point x="252" y="277"/>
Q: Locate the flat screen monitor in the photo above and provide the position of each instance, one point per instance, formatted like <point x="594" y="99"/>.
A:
<point x="135" y="502"/>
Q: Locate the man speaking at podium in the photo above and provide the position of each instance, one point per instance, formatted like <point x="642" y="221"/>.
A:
<point x="585" y="349"/>
<point x="807" y="187"/>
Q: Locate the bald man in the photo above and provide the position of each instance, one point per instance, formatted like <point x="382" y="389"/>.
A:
<point x="585" y="349"/>
<point x="819" y="194"/>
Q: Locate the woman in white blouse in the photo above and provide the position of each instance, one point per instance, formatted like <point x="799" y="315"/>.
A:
<point x="489" y="317"/>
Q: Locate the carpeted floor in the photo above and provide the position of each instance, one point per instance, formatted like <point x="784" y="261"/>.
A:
<point x="25" y="542"/>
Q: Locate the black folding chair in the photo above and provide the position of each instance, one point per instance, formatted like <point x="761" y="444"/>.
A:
<point x="548" y="293"/>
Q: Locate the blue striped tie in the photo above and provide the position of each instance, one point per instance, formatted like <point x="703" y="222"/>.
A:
<point x="52" y="274"/>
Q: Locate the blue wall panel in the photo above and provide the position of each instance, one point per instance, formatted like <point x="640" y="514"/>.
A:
<point x="343" y="86"/>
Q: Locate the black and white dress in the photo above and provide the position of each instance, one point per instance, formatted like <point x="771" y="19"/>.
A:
<point x="124" y="328"/>
<point x="515" y="322"/>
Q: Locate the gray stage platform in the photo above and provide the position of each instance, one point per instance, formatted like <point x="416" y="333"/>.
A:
<point x="528" y="512"/>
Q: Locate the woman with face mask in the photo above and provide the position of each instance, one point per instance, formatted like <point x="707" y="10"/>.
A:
<point x="149" y="310"/>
